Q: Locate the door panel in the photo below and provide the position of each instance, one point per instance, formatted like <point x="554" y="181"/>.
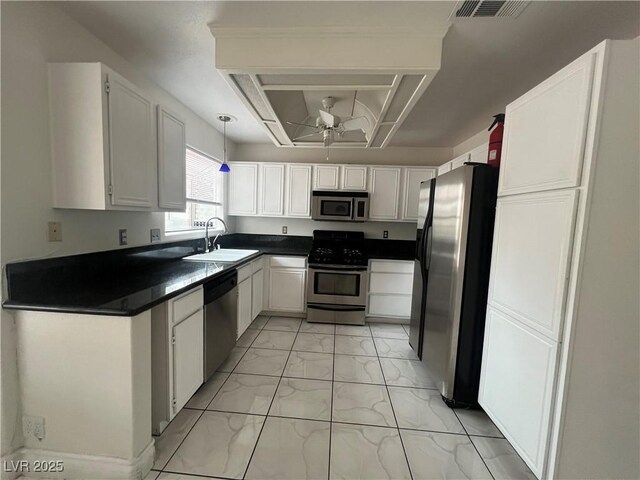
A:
<point x="544" y="151"/>
<point x="272" y="188"/>
<point x="354" y="178"/>
<point x="188" y="360"/>
<point x="257" y="291"/>
<point x="132" y="156"/>
<point x="517" y="385"/>
<point x="298" y="202"/>
<point x="531" y="258"/>
<point x="243" y="187"/>
<point x="244" y="305"/>
<point x="385" y="193"/>
<point x="286" y="290"/>
<point x="326" y="177"/>
<point x="413" y="177"/>
<point x="171" y="161"/>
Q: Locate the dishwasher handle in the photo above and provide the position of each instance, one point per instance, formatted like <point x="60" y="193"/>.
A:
<point x="219" y="286"/>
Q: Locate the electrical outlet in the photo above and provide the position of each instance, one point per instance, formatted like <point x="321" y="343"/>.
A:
<point x="33" y="427"/>
<point x="155" y="235"/>
<point x="55" y="232"/>
<point x="122" y="235"/>
<point x="284" y="229"/>
<point x="385" y="234"/>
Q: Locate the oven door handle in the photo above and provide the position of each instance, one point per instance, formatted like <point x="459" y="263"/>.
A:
<point x="339" y="268"/>
<point x="335" y="308"/>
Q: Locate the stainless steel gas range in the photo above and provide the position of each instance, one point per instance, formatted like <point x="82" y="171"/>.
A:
<point x="338" y="276"/>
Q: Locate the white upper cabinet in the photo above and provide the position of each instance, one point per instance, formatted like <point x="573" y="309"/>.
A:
<point x="298" y="191"/>
<point x="271" y="189"/>
<point x="102" y="140"/>
<point x="517" y="385"/>
<point x="354" y="177"/>
<point x="459" y="161"/>
<point x="479" y="154"/>
<point x="384" y="190"/>
<point x="413" y="177"/>
<point x="243" y="188"/>
<point x="326" y="177"/>
<point x="545" y="132"/>
<point x="531" y="258"/>
<point x="444" y="168"/>
<point x="172" y="147"/>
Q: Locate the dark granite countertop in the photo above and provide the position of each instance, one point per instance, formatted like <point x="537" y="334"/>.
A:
<point x="130" y="281"/>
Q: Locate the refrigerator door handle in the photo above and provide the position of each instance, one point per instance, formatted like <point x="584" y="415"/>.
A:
<point x="427" y="260"/>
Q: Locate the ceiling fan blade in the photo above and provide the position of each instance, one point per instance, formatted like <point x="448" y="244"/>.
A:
<point x="357" y="123"/>
<point x="302" y="124"/>
<point x="305" y="136"/>
<point x="329" y="119"/>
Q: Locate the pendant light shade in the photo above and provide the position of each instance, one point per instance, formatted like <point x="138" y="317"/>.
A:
<point x="224" y="168"/>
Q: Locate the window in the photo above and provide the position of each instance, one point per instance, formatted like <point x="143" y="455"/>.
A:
<point x="205" y="193"/>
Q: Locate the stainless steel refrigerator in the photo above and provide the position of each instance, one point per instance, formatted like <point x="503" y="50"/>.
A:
<point x="456" y="256"/>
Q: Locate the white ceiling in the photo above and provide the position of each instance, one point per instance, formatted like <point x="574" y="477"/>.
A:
<point x="485" y="64"/>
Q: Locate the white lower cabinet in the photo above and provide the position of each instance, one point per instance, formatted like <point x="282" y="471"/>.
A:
<point x="244" y="305"/>
<point x="257" y="293"/>
<point x="287" y="284"/>
<point x="517" y="384"/>
<point x="390" y="288"/>
<point x="177" y="355"/>
<point x="250" y="292"/>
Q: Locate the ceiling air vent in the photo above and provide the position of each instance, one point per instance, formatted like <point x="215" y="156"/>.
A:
<point x="488" y="8"/>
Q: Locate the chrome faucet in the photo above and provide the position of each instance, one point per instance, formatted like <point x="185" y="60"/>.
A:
<point x="206" y="234"/>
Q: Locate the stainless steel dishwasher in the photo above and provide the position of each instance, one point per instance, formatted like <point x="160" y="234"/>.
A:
<point x="220" y="320"/>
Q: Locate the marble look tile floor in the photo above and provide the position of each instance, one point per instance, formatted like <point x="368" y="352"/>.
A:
<point x="296" y="400"/>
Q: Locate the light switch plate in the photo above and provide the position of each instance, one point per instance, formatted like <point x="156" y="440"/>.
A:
<point x="155" y="235"/>
<point x="122" y="235"/>
<point x="54" y="233"/>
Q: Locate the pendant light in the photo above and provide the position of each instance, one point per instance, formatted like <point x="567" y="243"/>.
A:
<point x="224" y="168"/>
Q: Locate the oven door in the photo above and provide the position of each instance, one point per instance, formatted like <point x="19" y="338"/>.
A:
<point x="337" y="285"/>
<point x="332" y="208"/>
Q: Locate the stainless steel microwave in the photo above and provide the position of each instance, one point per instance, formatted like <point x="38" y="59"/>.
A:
<point x="340" y="206"/>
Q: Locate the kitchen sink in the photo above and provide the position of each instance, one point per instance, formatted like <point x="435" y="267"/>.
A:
<point x="223" y="255"/>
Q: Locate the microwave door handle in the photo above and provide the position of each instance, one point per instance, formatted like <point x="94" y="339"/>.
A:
<point x="353" y="209"/>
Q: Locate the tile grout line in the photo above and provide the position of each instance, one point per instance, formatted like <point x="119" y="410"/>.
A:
<point x="255" y="446"/>
<point x="333" y="374"/>
<point x="474" y="445"/>
<point x="386" y="387"/>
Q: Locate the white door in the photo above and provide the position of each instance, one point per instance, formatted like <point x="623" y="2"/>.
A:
<point x="412" y="179"/>
<point x="243" y="189"/>
<point x="545" y="132"/>
<point x="298" y="199"/>
<point x="172" y="147"/>
<point x="517" y="385"/>
<point x="532" y="242"/>
<point x="326" y="177"/>
<point x="479" y="154"/>
<point x="244" y="305"/>
<point x="272" y="189"/>
<point x="354" y="177"/>
<point x="257" y="292"/>
<point x="188" y="360"/>
<point x="287" y="289"/>
<point x="132" y="158"/>
<point x="385" y="193"/>
<point x="444" y="168"/>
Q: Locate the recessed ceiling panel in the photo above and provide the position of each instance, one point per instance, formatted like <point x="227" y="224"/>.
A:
<point x="273" y="81"/>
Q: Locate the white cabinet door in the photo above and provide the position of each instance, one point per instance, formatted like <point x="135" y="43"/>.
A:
<point x="384" y="193"/>
<point x="188" y="360"/>
<point x="326" y="177"/>
<point x="444" y="168"/>
<point x="272" y="189"/>
<point x="244" y="305"/>
<point x="479" y="154"/>
<point x="532" y="243"/>
<point x="243" y="189"/>
<point x="354" y="177"/>
<point x="517" y="385"/>
<point x="132" y="158"/>
<point x="257" y="291"/>
<point x="412" y="179"/>
<point x="545" y="132"/>
<point x="298" y="196"/>
<point x="172" y="147"/>
<point x="287" y="289"/>
<point x="459" y="161"/>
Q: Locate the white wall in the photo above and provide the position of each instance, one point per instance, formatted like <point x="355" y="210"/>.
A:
<point x="471" y="143"/>
<point x="34" y="33"/>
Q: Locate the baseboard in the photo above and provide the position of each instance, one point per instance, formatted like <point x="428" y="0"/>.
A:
<point x="270" y="313"/>
<point x="397" y="320"/>
<point x="78" y="466"/>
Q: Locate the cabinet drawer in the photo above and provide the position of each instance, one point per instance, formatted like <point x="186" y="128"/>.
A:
<point x="244" y="272"/>
<point x="390" y="283"/>
<point x="257" y="265"/>
<point x="397" y="306"/>
<point x="391" y="266"/>
<point x="288" y="262"/>
<point x="187" y="304"/>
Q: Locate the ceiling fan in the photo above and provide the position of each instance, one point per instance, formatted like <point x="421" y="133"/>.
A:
<point x="330" y="125"/>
